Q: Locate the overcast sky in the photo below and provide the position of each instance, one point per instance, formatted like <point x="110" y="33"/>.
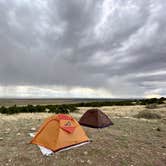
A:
<point x="82" y="48"/>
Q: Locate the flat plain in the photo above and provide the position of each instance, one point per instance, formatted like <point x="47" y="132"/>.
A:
<point x="129" y="142"/>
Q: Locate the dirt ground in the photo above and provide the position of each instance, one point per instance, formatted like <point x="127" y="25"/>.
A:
<point x="129" y="142"/>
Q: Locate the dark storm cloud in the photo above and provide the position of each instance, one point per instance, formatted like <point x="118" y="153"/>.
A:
<point x="86" y="43"/>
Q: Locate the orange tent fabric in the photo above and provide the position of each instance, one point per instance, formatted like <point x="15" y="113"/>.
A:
<point x="58" y="132"/>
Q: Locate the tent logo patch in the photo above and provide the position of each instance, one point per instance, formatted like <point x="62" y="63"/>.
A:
<point x="68" y="123"/>
<point x="67" y="126"/>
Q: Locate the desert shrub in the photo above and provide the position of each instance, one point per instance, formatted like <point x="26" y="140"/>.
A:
<point x="162" y="99"/>
<point x="57" y="109"/>
<point x="67" y="108"/>
<point x="30" y="109"/>
<point x="151" y="106"/>
<point x="12" y="109"/>
<point x="105" y="103"/>
<point x="3" y="110"/>
<point x="40" y="108"/>
<point x="147" y="115"/>
<point x="151" y="101"/>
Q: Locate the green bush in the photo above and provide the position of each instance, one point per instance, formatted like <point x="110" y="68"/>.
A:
<point x="30" y="109"/>
<point x="67" y="108"/>
<point x="152" y="101"/>
<point x="147" y="115"/>
<point x="40" y="108"/>
<point x="3" y="110"/>
<point x="105" y="103"/>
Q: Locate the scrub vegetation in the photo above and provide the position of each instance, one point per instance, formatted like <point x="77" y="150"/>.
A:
<point x="68" y="108"/>
<point x="146" y="114"/>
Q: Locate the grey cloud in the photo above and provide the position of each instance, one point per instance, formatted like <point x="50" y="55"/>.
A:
<point x="96" y="44"/>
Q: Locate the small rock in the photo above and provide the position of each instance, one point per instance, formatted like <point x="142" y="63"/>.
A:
<point x="33" y="129"/>
<point x="158" y="129"/>
<point x="85" y="153"/>
<point x="89" y="162"/>
<point x="82" y="161"/>
<point x="1" y="138"/>
<point x="18" y="134"/>
<point x="164" y="146"/>
<point x="8" y="129"/>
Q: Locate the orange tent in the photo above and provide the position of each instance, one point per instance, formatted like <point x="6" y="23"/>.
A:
<point x="58" y="132"/>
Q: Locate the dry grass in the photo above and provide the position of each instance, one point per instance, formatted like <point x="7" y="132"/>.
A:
<point x="129" y="141"/>
<point x="146" y="114"/>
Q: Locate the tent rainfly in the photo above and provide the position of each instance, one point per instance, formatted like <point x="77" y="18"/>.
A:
<point x="95" y="118"/>
<point x="60" y="132"/>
